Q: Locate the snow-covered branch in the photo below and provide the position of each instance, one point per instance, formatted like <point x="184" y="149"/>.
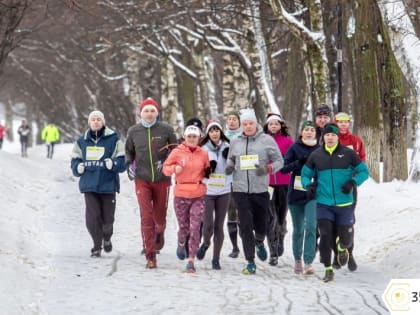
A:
<point x="296" y="26"/>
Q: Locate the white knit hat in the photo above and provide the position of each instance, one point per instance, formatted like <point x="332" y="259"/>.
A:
<point x="248" y="114"/>
<point x="192" y="130"/>
<point x="98" y="114"/>
<point x="273" y="117"/>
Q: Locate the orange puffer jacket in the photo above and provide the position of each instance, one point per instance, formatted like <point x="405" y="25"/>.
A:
<point x="194" y="162"/>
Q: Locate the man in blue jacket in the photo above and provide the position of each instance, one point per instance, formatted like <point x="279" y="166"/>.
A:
<point x="329" y="175"/>
<point x="97" y="158"/>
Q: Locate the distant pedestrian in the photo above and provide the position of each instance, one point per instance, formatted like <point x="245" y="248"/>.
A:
<point x="218" y="191"/>
<point x="24" y="132"/>
<point x="277" y="225"/>
<point x="233" y="129"/>
<point x="253" y="155"/>
<point x="97" y="158"/>
<point x="51" y="135"/>
<point x="322" y="117"/>
<point x="147" y="146"/>
<point x="190" y="163"/>
<point x="302" y="209"/>
<point x="336" y="170"/>
<point x="3" y="130"/>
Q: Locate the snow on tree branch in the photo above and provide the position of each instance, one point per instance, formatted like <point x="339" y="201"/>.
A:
<point x="296" y="27"/>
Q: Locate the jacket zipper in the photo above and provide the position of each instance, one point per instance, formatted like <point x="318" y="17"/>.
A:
<point x="150" y="154"/>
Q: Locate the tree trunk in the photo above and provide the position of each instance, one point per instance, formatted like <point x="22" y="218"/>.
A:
<point x="317" y="57"/>
<point x="169" y="96"/>
<point x="367" y="112"/>
<point x="394" y="107"/>
<point x="135" y="93"/>
<point x="296" y="92"/>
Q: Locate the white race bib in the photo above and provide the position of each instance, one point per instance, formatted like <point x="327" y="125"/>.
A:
<point x="94" y="153"/>
<point x="216" y="180"/>
<point x="248" y="162"/>
<point x="297" y="184"/>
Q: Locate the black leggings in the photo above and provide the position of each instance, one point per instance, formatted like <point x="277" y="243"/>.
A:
<point x="327" y="240"/>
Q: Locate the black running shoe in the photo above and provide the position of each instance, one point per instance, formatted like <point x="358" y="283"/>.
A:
<point x="202" y="251"/>
<point x="234" y="253"/>
<point x="215" y="264"/>
<point x="95" y="253"/>
<point x="329" y="275"/>
<point x="273" y="261"/>
<point x="107" y="246"/>
<point x="352" y="263"/>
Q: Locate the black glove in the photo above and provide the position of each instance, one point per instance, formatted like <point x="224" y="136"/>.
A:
<point x="261" y="170"/>
<point x="229" y="169"/>
<point x="303" y="160"/>
<point x="207" y="172"/>
<point x="348" y="186"/>
<point x="225" y="153"/>
<point x="311" y="191"/>
<point x="213" y="165"/>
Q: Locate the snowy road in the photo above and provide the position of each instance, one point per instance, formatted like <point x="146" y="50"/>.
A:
<point x="48" y="269"/>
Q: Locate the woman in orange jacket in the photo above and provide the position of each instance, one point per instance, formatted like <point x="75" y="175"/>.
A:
<point x="190" y="164"/>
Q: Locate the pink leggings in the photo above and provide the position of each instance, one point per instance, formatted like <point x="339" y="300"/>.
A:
<point x="189" y="213"/>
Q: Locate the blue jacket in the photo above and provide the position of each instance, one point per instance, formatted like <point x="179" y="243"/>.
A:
<point x="331" y="172"/>
<point x="92" y="152"/>
<point x="298" y="150"/>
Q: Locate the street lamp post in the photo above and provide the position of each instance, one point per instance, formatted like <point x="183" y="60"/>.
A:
<point x="339" y="56"/>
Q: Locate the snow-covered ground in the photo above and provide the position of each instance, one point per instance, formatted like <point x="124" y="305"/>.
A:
<point x="46" y="268"/>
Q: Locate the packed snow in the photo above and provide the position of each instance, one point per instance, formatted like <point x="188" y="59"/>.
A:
<point x="46" y="266"/>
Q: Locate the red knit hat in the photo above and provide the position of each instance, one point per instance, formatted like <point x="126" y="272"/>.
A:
<point x="148" y="102"/>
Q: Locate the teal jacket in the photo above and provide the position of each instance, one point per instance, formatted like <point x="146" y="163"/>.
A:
<point x="331" y="171"/>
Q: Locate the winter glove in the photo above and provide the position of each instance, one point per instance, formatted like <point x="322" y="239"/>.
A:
<point x="130" y="172"/>
<point x="303" y="160"/>
<point x="229" y="169"/>
<point x="311" y="191"/>
<point x="213" y="165"/>
<point x="263" y="170"/>
<point x="225" y="153"/>
<point x="81" y="168"/>
<point x="207" y="172"/>
<point x="108" y="163"/>
<point x="348" y="186"/>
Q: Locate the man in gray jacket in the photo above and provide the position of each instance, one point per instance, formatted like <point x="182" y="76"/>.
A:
<point x="252" y="156"/>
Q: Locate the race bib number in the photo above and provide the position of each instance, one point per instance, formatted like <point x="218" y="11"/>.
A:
<point x="297" y="185"/>
<point x="216" y="180"/>
<point x="94" y="153"/>
<point x="248" y="162"/>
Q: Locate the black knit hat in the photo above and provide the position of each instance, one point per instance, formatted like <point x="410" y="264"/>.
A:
<point x="194" y="122"/>
<point x="323" y="110"/>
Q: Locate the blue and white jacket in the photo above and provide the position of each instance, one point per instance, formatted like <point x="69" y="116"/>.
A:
<point x="92" y="151"/>
<point x="218" y="183"/>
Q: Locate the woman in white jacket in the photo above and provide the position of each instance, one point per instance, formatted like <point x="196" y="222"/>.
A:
<point x="218" y="191"/>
